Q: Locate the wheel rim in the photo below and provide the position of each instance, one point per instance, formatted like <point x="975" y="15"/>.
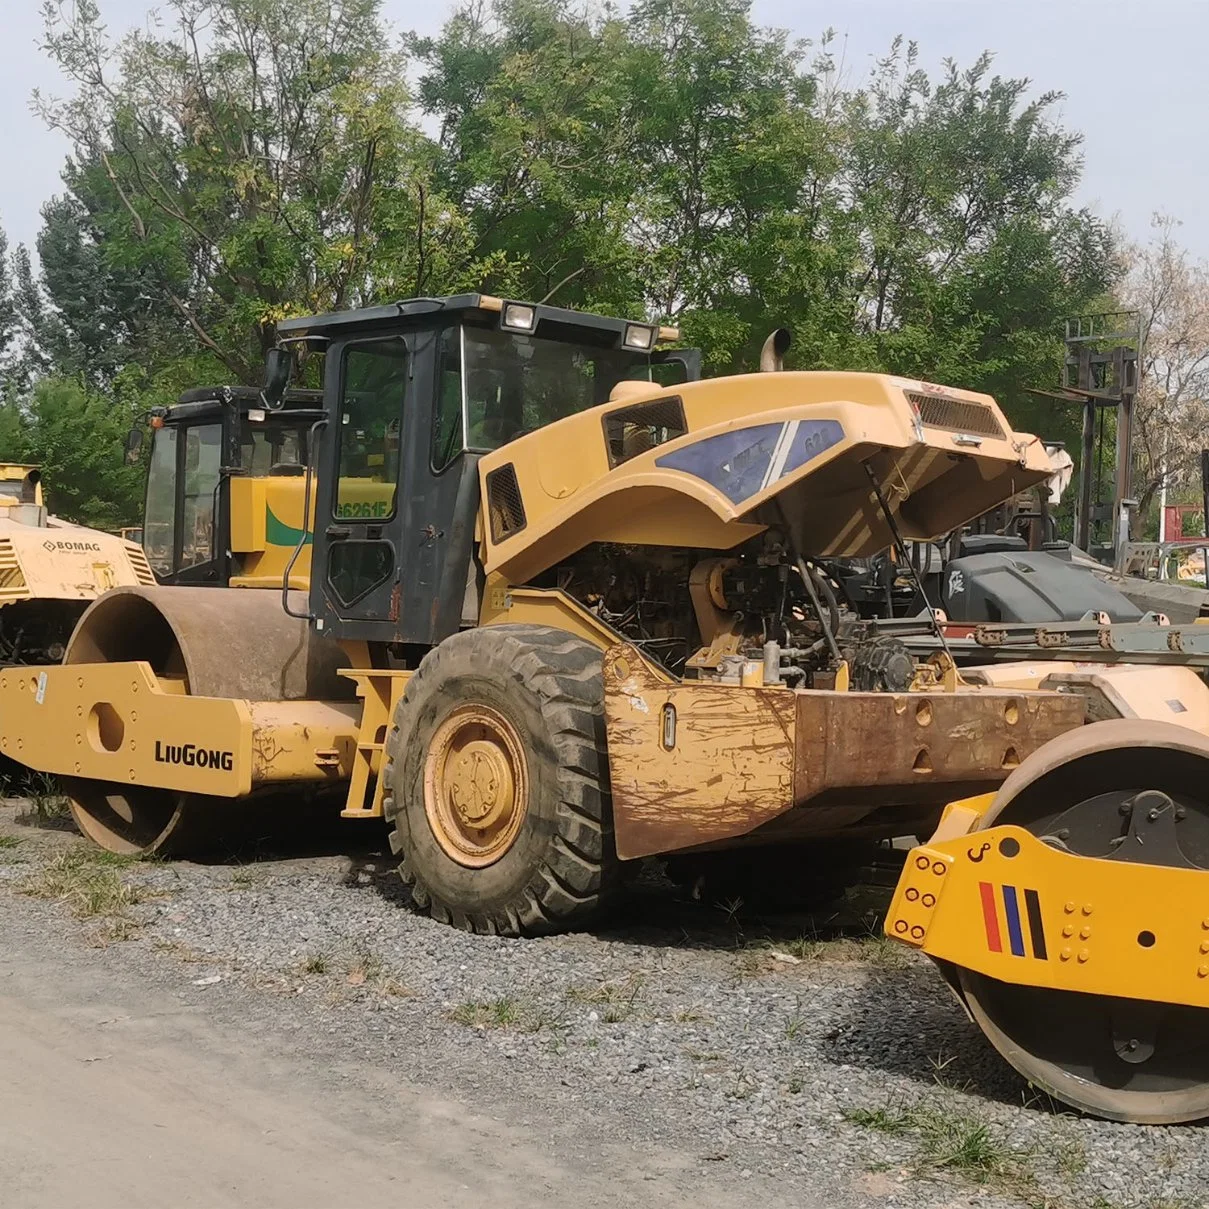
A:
<point x="476" y="785"/>
<point x="1125" y="1059"/>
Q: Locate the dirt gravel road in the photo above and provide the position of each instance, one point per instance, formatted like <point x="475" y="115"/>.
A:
<point x="115" y="1091"/>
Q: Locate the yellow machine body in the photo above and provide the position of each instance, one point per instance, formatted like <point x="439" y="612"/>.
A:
<point x="44" y="558"/>
<point x="268" y="513"/>
<point x="945" y="456"/>
<point x="1004" y="904"/>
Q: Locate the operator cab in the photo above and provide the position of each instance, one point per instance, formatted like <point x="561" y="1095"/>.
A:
<point x="416" y="392"/>
<point x="208" y="435"/>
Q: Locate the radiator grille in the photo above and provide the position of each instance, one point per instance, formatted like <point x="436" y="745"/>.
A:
<point x="12" y="579"/>
<point x="504" y="503"/>
<point x="956" y="415"/>
<point x="630" y="431"/>
<point x="142" y="568"/>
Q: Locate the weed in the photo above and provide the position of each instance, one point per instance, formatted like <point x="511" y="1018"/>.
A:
<point x="796" y="1022"/>
<point x="872" y="948"/>
<point x="617" y="999"/>
<point x="687" y="1016"/>
<point x="498" y="1013"/>
<point x="1069" y="1155"/>
<point x="88" y="885"/>
<point x="9" y="841"/>
<point x="49" y="802"/>
<point x="118" y="928"/>
<point x="394" y="988"/>
<point x="316" y="963"/>
<point x="887" y="1119"/>
<point x="182" y="952"/>
<point x="940" y="1065"/>
<point x="364" y="967"/>
<point x="243" y="879"/>
<point x="947" y="1139"/>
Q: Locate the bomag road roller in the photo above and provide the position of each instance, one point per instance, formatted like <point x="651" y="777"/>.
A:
<point x="51" y="570"/>
<point x="562" y="613"/>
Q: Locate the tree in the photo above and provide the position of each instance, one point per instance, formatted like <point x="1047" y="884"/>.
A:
<point x="77" y="437"/>
<point x="255" y="163"/>
<point x="970" y="253"/>
<point x="1171" y="415"/>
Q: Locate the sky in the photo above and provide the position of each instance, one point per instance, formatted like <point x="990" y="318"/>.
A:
<point x="1132" y="74"/>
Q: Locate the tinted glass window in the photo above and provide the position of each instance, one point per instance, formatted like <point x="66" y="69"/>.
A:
<point x="447" y="440"/>
<point x="203" y="461"/>
<point x="354" y="568"/>
<point x="516" y="383"/>
<point x="264" y="446"/>
<point x="159" y="522"/>
<point x="375" y="381"/>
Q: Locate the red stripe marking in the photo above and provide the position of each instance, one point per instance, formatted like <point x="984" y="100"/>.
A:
<point x="990" y="917"/>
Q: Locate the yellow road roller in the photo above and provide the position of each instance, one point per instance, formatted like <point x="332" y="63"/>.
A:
<point x="563" y="611"/>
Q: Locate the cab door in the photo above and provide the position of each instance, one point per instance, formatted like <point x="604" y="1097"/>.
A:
<point x="182" y="533"/>
<point x="357" y="559"/>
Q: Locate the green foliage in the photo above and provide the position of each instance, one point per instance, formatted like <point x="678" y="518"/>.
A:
<point x="76" y="436"/>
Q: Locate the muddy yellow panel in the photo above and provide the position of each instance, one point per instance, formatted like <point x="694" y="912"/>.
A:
<point x="694" y="763"/>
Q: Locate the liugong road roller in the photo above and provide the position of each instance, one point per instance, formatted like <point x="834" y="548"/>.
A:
<point x="563" y="612"/>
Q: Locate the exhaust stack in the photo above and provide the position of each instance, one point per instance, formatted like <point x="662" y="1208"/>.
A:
<point x="772" y="355"/>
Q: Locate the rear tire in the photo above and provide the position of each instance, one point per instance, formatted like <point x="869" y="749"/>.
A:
<point x="503" y="726"/>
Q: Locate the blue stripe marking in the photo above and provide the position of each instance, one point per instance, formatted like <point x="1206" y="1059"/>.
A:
<point x="1012" y="910"/>
<point x="735" y="462"/>
<point x="813" y="437"/>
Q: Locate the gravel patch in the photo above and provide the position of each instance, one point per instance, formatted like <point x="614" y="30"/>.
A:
<point x="803" y="1052"/>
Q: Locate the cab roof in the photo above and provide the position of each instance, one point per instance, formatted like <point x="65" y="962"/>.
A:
<point x="551" y="322"/>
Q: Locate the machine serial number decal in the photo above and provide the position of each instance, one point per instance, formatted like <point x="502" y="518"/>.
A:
<point x="1004" y="908"/>
<point x="192" y="756"/>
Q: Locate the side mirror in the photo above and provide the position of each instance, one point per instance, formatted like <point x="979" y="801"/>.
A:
<point x="278" y="369"/>
<point x="134" y="446"/>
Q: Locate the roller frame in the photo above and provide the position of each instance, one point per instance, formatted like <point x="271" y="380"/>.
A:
<point x="1091" y="914"/>
<point x="161" y="730"/>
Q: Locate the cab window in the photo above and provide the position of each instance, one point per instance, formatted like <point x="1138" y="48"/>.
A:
<point x="371" y="417"/>
<point x="271" y="448"/>
<point x="159" y="515"/>
<point x="203" y="462"/>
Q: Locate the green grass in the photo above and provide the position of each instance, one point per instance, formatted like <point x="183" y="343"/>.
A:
<point x="9" y="841"/>
<point x="86" y="880"/>
<point x="946" y="1139"/>
<point x="497" y="1013"/>
<point x="795" y="1024"/>
<point x="316" y="963"/>
<point x="49" y="802"/>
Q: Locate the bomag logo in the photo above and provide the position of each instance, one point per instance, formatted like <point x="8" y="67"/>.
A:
<point x="367" y="510"/>
<point x="192" y="756"/>
<point x="72" y="547"/>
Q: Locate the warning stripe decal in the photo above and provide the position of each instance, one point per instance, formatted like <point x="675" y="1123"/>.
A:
<point x="1012" y="920"/>
<point x="1012" y="911"/>
<point x="990" y="917"/>
<point x="1032" y="904"/>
